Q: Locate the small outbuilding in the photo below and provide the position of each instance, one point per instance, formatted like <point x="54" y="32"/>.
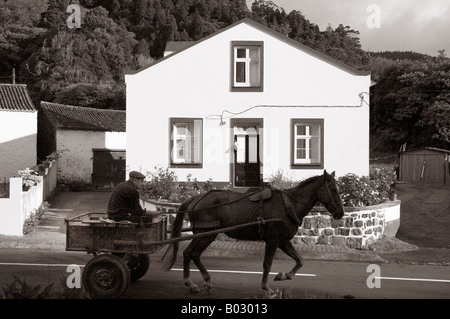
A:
<point x="425" y="165"/>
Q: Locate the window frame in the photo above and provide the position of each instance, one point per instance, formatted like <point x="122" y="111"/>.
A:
<point x="184" y="120"/>
<point x="296" y="165"/>
<point x="249" y="87"/>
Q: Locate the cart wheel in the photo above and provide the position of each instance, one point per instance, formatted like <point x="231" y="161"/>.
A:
<point x="137" y="264"/>
<point x="106" y="276"/>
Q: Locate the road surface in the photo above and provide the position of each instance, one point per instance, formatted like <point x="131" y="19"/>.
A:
<point x="239" y="278"/>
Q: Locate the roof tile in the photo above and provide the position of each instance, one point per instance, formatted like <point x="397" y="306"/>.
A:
<point x="15" y="97"/>
<point x="84" y="118"/>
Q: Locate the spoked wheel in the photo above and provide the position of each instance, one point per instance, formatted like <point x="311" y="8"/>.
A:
<point x="138" y="264"/>
<point x="106" y="276"/>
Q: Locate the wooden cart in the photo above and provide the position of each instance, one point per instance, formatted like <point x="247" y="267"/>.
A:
<point x="121" y="249"/>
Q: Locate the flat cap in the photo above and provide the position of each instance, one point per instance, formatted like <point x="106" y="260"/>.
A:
<point x="136" y="174"/>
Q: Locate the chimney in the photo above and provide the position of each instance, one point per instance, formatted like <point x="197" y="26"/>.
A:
<point x="14" y="76"/>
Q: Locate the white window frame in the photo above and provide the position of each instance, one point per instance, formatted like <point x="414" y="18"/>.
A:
<point x="313" y="142"/>
<point x="192" y="135"/>
<point x="255" y="72"/>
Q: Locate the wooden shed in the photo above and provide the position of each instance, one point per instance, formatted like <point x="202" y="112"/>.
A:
<point x="425" y="165"/>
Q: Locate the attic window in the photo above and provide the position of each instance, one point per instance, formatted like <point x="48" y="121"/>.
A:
<point x="247" y="66"/>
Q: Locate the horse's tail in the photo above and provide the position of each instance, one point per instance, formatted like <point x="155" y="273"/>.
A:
<point x="176" y="232"/>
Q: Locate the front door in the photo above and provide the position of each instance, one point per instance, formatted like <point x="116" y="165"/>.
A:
<point x="247" y="164"/>
<point x="108" y="168"/>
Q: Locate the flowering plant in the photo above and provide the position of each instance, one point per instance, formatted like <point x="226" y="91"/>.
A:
<point x="357" y="191"/>
<point x="29" y="177"/>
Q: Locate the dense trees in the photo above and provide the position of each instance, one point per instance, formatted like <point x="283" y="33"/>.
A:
<point x="86" y="66"/>
<point x="411" y="101"/>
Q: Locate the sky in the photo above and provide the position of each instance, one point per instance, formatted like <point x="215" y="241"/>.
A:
<point x="385" y="25"/>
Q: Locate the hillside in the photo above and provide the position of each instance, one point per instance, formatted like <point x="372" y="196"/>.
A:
<point x="86" y="66"/>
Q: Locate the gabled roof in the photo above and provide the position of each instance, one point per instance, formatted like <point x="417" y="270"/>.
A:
<point x="84" y="118"/>
<point x="15" y="98"/>
<point x="273" y="33"/>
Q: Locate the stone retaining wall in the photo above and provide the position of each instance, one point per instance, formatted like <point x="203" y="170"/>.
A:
<point x="359" y="227"/>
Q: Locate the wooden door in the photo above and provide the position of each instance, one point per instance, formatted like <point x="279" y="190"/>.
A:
<point x="247" y="164"/>
<point x="108" y="168"/>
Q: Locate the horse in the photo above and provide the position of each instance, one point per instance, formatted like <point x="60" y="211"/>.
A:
<point x="217" y="209"/>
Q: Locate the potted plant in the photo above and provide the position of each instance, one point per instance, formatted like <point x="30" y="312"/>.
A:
<point x="29" y="178"/>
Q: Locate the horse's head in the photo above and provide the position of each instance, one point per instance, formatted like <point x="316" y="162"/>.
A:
<point x="329" y="196"/>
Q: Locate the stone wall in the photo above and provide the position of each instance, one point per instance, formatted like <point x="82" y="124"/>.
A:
<point x="359" y="227"/>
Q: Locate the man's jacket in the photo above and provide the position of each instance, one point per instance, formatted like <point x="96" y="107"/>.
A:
<point x="124" y="201"/>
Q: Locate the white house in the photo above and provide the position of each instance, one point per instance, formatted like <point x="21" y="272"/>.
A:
<point x="89" y="142"/>
<point x="244" y="103"/>
<point x="18" y="130"/>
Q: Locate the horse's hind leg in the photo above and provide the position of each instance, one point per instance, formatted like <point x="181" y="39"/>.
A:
<point x="193" y="252"/>
<point x="289" y="249"/>
<point x="269" y="254"/>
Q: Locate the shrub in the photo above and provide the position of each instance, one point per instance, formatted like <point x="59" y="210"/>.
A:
<point x="34" y="218"/>
<point x="164" y="184"/>
<point x="160" y="184"/>
<point x="357" y="191"/>
<point x="280" y="181"/>
<point x="20" y="289"/>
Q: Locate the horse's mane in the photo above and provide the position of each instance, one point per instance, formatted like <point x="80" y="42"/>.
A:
<point x="307" y="181"/>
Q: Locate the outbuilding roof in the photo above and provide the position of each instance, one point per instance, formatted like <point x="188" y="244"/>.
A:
<point x="15" y="98"/>
<point x="435" y="149"/>
<point x="70" y="117"/>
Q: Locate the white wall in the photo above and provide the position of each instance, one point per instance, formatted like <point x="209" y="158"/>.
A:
<point x="195" y="83"/>
<point x="75" y="150"/>
<point x="18" y="132"/>
<point x="15" y="209"/>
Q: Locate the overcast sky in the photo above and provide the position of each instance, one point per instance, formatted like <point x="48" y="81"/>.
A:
<point x="402" y="25"/>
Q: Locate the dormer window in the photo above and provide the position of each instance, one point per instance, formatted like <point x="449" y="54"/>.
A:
<point x="247" y="66"/>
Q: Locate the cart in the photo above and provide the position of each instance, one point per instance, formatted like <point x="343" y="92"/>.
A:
<point x="121" y="249"/>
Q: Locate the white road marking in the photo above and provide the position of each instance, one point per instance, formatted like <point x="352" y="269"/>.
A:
<point x="414" y="279"/>
<point x="37" y="265"/>
<point x="244" y="272"/>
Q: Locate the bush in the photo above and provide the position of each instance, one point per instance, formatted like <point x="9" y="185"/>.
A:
<point x="164" y="184"/>
<point x="34" y="218"/>
<point x="279" y="181"/>
<point x="369" y="190"/>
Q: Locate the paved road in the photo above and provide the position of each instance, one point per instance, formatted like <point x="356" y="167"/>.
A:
<point x="239" y="278"/>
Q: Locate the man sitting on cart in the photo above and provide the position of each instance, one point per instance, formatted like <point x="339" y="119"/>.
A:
<point x="124" y="201"/>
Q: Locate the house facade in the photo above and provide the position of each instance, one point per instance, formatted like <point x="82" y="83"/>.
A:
<point x="90" y="143"/>
<point x="18" y="130"/>
<point x="245" y="103"/>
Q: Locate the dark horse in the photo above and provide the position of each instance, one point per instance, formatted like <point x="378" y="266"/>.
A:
<point x="220" y="208"/>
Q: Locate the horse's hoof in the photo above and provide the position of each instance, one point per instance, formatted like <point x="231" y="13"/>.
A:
<point x="207" y="287"/>
<point x="194" y="289"/>
<point x="280" y="276"/>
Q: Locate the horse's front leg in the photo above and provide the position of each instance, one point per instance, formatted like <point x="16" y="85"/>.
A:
<point x="289" y="249"/>
<point x="271" y="248"/>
